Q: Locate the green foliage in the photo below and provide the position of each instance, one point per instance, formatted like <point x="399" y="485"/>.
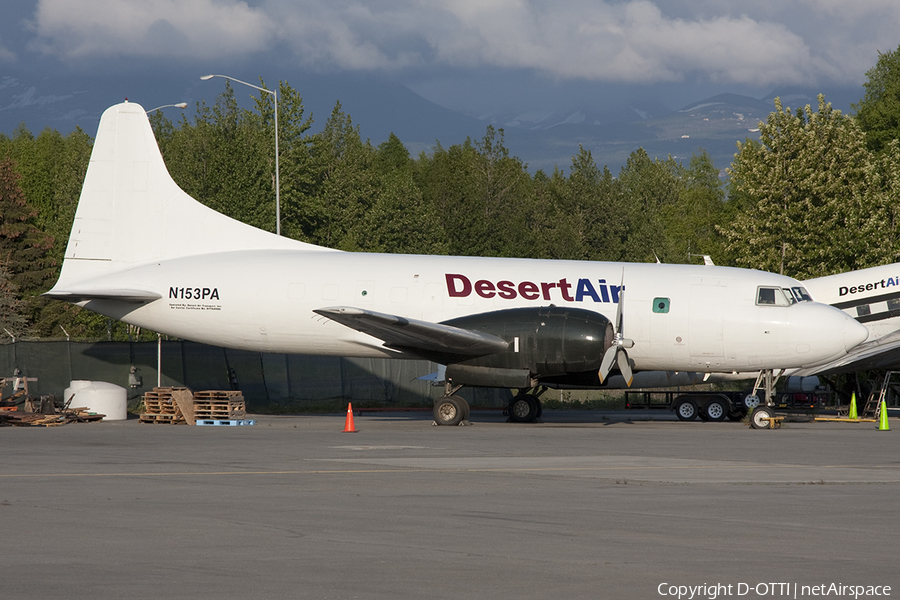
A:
<point x="878" y="113"/>
<point x="12" y="308"/>
<point x="690" y="221"/>
<point x="484" y="198"/>
<point x="24" y="249"/>
<point x="809" y="206"/>
<point x="648" y="188"/>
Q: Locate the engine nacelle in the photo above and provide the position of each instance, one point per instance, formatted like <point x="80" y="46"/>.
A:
<point x="543" y="341"/>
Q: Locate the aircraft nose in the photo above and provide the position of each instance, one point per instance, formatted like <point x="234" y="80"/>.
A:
<point x="855" y="333"/>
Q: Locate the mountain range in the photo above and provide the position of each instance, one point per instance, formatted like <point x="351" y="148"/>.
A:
<point x="543" y="139"/>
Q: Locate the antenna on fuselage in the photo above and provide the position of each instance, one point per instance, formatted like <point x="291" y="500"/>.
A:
<point x="707" y="259"/>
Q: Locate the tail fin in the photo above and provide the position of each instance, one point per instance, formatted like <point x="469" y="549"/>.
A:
<point x="131" y="212"/>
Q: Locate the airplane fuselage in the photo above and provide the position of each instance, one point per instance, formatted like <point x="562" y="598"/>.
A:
<point x="681" y="317"/>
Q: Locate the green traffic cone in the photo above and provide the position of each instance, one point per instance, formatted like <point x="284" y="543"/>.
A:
<point x="883" y="422"/>
<point x="853" y="414"/>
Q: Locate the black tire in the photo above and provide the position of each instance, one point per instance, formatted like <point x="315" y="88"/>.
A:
<point x="759" y="417"/>
<point x="449" y="410"/>
<point x="523" y="408"/>
<point x="715" y="410"/>
<point x="686" y="410"/>
<point x="540" y="410"/>
<point x="736" y="416"/>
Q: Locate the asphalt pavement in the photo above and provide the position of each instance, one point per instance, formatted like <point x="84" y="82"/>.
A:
<point x="583" y="505"/>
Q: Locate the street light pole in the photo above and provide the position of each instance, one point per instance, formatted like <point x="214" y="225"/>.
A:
<point x="277" y="180"/>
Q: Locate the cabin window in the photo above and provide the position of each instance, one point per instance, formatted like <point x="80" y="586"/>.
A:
<point x="771" y="296"/>
<point x="863" y="309"/>
<point x="660" y="305"/>
<point x="893" y="304"/>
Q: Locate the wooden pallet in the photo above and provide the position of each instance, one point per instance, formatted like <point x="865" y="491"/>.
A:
<point x="164" y="419"/>
<point x="218" y="394"/>
<point x="179" y="405"/>
<point x="233" y="408"/>
<point x="166" y="405"/>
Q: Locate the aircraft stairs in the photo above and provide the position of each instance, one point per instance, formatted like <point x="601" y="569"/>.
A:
<point x="889" y="390"/>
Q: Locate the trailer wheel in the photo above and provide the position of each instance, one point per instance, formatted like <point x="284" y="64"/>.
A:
<point x="686" y="410"/>
<point x="716" y="410"/>
<point x="760" y="417"/>
<point x="751" y="401"/>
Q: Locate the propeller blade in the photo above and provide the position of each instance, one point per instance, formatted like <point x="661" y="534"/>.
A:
<point x="619" y="309"/>
<point x="606" y="365"/>
<point x="625" y="367"/>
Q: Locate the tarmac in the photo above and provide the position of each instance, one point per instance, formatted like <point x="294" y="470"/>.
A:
<point x="583" y="505"/>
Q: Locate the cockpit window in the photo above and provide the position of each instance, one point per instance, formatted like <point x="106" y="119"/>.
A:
<point x="772" y="296"/>
<point x="801" y="294"/>
<point x="789" y="295"/>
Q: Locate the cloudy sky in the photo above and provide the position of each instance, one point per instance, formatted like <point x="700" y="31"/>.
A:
<point x="471" y="55"/>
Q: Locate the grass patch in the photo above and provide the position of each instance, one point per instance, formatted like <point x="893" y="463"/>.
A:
<point x="583" y="400"/>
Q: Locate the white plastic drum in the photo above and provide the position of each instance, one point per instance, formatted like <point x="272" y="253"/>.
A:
<point x="99" y="397"/>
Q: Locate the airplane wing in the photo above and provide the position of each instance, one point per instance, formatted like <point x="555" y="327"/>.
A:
<point x="122" y="295"/>
<point x="883" y="353"/>
<point x="411" y="334"/>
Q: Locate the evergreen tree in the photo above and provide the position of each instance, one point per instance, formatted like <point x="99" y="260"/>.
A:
<point x="878" y="113"/>
<point x="648" y="187"/>
<point x="690" y="221"/>
<point x="24" y="249"/>
<point x="12" y="317"/>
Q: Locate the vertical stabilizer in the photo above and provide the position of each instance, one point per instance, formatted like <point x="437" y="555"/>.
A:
<point x="131" y="212"/>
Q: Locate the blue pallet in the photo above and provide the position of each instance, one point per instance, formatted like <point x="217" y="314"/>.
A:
<point x="213" y="422"/>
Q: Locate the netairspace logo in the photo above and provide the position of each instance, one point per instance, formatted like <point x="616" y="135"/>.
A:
<point x="763" y="590"/>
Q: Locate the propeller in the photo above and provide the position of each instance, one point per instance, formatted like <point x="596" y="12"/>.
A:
<point x="616" y="351"/>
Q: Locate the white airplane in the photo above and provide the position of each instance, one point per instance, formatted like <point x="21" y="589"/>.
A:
<point x="871" y="297"/>
<point x="144" y="252"/>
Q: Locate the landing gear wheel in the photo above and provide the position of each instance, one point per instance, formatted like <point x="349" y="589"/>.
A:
<point x="716" y="411"/>
<point x="524" y="408"/>
<point x="760" y="417"/>
<point x="450" y="410"/>
<point x="686" y="410"/>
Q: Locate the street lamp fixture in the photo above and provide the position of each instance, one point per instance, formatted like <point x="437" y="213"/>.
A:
<point x="181" y="105"/>
<point x="277" y="181"/>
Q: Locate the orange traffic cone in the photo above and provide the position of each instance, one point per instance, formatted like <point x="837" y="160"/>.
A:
<point x="348" y="424"/>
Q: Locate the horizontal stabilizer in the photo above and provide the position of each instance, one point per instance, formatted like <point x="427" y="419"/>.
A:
<point x="121" y="295"/>
<point x="400" y="332"/>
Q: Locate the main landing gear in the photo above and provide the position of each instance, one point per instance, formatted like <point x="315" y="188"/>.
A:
<point x="449" y="409"/>
<point x="525" y="407"/>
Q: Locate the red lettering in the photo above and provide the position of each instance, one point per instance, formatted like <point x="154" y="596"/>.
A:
<point x="545" y="288"/>
<point x="529" y="291"/>
<point x="484" y="288"/>
<point x="507" y="289"/>
<point x="564" y="288"/>
<point x="466" y="285"/>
